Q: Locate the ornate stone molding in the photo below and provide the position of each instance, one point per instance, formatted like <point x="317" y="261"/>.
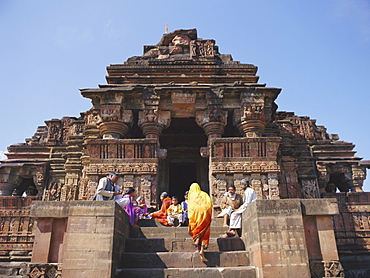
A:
<point x="326" y="269"/>
<point x="49" y="270"/>
<point x="243" y="166"/>
<point x="122" y="168"/>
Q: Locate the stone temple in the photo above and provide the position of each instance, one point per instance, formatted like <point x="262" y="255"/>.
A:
<point x="183" y="112"/>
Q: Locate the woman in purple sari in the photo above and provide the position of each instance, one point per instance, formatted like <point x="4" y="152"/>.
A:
<point x="126" y="203"/>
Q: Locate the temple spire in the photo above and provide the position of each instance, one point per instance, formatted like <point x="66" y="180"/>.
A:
<point x="166" y="29"/>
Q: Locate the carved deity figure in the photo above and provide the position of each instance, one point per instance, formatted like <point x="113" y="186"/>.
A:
<point x="180" y="40"/>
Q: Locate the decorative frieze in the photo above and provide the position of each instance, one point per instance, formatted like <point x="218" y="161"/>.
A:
<point x="51" y="270"/>
<point x="321" y="269"/>
<point x="122" y="168"/>
<point x="243" y="166"/>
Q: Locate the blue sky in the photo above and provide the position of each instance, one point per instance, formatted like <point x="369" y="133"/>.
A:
<point x="318" y="52"/>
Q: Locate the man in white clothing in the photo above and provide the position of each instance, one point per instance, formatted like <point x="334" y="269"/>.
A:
<point x="236" y="217"/>
<point x="107" y="188"/>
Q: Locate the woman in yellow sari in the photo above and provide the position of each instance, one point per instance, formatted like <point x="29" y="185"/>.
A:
<point x="200" y="217"/>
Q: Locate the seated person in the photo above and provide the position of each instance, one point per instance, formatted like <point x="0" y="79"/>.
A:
<point x="236" y="218"/>
<point x="127" y="203"/>
<point x="142" y="208"/>
<point x="230" y="202"/>
<point x="174" y="212"/>
<point x="161" y="214"/>
<point x="184" y="205"/>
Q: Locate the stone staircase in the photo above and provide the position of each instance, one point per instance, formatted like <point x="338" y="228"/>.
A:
<point x="155" y="251"/>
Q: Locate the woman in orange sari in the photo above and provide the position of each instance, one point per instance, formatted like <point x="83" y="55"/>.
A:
<point x="161" y="214"/>
<point x="200" y="217"/>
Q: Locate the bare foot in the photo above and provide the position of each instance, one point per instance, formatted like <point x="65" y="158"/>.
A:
<point x="136" y="226"/>
<point x="231" y="234"/>
<point x="202" y="257"/>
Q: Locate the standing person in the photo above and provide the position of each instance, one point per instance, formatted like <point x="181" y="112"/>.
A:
<point x="236" y="216"/>
<point x="200" y="217"/>
<point x="127" y="203"/>
<point x="174" y="212"/>
<point x="107" y="188"/>
<point x="161" y="214"/>
<point x="184" y="205"/>
<point x="230" y="202"/>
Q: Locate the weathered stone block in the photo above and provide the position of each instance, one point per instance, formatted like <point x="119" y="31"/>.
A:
<point x="319" y="206"/>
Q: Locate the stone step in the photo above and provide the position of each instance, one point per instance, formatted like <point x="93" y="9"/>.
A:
<point x="169" y="232"/>
<point x="216" y="222"/>
<point x="152" y="245"/>
<point x="210" y="272"/>
<point x="184" y="259"/>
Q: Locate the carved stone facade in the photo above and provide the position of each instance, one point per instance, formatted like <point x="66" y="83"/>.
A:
<point x="181" y="112"/>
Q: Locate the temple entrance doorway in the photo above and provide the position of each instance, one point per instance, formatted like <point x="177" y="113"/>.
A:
<point x="181" y="175"/>
<point x="184" y="164"/>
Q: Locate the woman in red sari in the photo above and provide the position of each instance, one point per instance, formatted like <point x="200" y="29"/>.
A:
<point x="161" y="214"/>
<point x="200" y="217"/>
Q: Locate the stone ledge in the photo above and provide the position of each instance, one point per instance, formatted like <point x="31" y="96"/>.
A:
<point x="325" y="206"/>
<point x="42" y="209"/>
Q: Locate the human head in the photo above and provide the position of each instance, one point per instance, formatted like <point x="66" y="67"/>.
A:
<point x="130" y="191"/>
<point x="113" y="176"/>
<point x="175" y="200"/>
<point x="186" y="195"/>
<point x="244" y="183"/>
<point x="141" y="200"/>
<point x="231" y="190"/>
<point x="194" y="187"/>
<point x="164" y="195"/>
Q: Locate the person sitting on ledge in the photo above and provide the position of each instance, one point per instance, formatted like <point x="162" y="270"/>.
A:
<point x="230" y="202"/>
<point x="161" y="214"/>
<point x="174" y="212"/>
<point x="142" y="208"/>
<point x="236" y="216"/>
<point x="184" y="205"/>
<point x="126" y="202"/>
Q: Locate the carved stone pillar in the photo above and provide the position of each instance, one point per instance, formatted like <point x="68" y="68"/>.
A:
<point x="153" y="121"/>
<point x="113" y="130"/>
<point x="358" y="176"/>
<point x="213" y="121"/>
<point x="115" y="123"/>
<point x="251" y="119"/>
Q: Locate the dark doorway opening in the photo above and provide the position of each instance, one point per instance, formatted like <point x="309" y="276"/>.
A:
<point x="27" y="185"/>
<point x="337" y="181"/>
<point x="181" y="176"/>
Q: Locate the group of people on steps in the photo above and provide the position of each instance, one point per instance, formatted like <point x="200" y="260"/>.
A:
<point x="195" y="211"/>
